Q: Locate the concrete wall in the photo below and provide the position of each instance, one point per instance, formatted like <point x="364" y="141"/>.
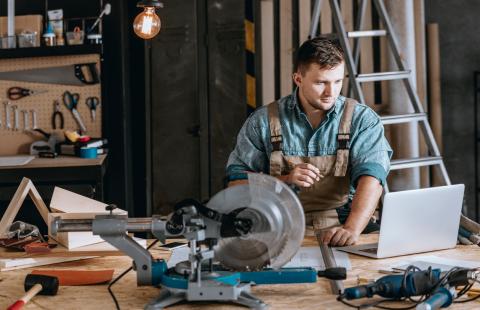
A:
<point x="459" y="26"/>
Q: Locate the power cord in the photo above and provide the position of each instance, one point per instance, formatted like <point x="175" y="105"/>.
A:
<point x="121" y="276"/>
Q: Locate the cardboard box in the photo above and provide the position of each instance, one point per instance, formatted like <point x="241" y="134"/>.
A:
<point x="24" y="23"/>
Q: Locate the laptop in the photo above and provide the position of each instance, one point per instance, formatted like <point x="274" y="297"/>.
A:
<point x="416" y="221"/>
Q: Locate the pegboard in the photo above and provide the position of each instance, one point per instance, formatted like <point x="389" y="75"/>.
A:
<point x="18" y="142"/>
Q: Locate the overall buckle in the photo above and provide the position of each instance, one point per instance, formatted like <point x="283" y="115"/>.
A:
<point x="343" y="140"/>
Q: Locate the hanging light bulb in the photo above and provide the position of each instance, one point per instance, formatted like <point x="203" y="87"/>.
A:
<point x="147" y="24"/>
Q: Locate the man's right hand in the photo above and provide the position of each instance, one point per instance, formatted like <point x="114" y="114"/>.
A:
<point x="303" y="175"/>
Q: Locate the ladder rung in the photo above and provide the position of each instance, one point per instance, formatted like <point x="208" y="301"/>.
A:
<point x="398" y="164"/>
<point x="366" y="33"/>
<point x="383" y="76"/>
<point x="403" y="118"/>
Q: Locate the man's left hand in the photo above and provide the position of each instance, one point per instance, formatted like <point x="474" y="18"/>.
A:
<point x="339" y="236"/>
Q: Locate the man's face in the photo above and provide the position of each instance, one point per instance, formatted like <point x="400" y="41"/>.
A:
<point x="319" y="88"/>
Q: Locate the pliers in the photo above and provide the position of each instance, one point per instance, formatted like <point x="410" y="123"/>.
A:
<point x="57" y="114"/>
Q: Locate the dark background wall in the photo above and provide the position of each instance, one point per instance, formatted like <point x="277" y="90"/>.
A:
<point x="460" y="57"/>
<point x="197" y="98"/>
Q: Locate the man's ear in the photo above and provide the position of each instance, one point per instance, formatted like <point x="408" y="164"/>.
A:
<point x="297" y="78"/>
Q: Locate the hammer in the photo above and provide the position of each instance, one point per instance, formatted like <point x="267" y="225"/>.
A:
<point x="36" y="284"/>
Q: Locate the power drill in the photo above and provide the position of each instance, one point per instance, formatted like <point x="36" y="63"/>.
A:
<point x="392" y="286"/>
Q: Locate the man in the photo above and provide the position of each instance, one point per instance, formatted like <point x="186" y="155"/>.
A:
<point x="328" y="146"/>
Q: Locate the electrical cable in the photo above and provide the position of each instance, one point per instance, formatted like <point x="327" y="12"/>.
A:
<point x="121" y="276"/>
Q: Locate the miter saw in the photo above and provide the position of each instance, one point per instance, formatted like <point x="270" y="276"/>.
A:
<point x="242" y="236"/>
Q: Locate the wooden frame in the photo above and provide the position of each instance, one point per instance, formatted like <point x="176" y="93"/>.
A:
<point x="25" y="188"/>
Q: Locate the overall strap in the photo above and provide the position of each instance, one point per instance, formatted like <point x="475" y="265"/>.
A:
<point x="343" y="138"/>
<point x="276" y="157"/>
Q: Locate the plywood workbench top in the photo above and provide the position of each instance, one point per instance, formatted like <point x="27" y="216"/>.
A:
<point x="60" y="161"/>
<point x="298" y="296"/>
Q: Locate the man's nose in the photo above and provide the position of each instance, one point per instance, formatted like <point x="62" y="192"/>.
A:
<point x="328" y="89"/>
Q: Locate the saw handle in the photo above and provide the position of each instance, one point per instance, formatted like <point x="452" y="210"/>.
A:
<point x="87" y="73"/>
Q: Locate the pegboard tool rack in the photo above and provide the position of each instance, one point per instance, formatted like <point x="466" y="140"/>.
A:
<point x="17" y="142"/>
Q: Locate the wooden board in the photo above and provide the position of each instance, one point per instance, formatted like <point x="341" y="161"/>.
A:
<point x="8" y="264"/>
<point x="286" y="48"/>
<point x="60" y="162"/>
<point x="69" y="202"/>
<point x="25" y="188"/>
<point x="267" y="51"/>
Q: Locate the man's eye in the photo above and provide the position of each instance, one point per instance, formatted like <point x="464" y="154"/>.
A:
<point x="338" y="82"/>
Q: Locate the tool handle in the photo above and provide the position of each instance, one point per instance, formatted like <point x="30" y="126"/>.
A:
<point x="16" y="93"/>
<point x="26" y="298"/>
<point x="441" y="299"/>
<point x="79" y="120"/>
<point x="87" y="73"/>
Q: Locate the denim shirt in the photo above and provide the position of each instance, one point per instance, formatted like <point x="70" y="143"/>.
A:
<point x="370" y="152"/>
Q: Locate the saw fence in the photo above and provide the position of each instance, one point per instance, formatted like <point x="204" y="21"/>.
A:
<point x="18" y="141"/>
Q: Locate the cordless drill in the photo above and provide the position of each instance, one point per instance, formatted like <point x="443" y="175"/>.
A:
<point x="393" y="286"/>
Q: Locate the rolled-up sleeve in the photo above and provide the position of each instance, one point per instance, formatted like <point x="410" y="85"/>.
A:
<point x="370" y="152"/>
<point x="249" y="154"/>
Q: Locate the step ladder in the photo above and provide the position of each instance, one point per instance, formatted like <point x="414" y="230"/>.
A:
<point x="355" y="78"/>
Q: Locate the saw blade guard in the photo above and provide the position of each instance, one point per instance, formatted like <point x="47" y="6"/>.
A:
<point x="278" y="224"/>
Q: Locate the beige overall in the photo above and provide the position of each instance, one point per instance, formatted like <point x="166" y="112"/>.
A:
<point x="320" y="200"/>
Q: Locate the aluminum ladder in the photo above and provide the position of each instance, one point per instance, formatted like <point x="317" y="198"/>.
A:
<point x="356" y="78"/>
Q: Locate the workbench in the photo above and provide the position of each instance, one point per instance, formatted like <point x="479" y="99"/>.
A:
<point x="289" y="296"/>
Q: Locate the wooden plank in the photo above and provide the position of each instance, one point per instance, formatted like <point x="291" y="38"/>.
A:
<point x="14" y="205"/>
<point x="97" y="249"/>
<point x="326" y="18"/>
<point x="286" y="47"/>
<point x="60" y="162"/>
<point x="22" y="263"/>
<point x="348" y="21"/>
<point x="421" y="78"/>
<point x="434" y="85"/>
<point x="304" y="19"/>
<point x="268" y="51"/>
<point x="70" y="202"/>
<point x="366" y="57"/>
<point x="38" y="202"/>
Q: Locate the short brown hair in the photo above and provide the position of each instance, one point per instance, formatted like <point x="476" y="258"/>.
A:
<point x="324" y="51"/>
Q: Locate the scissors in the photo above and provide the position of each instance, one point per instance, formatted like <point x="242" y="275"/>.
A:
<point x="71" y="100"/>
<point x="16" y="93"/>
<point x="92" y="103"/>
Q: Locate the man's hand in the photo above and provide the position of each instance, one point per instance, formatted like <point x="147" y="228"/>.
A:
<point x="303" y="175"/>
<point x="339" y="236"/>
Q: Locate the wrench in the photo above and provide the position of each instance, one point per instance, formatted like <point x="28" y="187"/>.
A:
<point x="7" y="115"/>
<point x="34" y="118"/>
<point x="15" y="117"/>
<point x="25" y="120"/>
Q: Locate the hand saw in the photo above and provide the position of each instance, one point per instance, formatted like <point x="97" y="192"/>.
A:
<point x="76" y="75"/>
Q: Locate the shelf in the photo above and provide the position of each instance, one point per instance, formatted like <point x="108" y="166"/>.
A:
<point x="51" y="51"/>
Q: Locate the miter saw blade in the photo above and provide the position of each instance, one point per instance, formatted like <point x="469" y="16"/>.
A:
<point x="278" y="224"/>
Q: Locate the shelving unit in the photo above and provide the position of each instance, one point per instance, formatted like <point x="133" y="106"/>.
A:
<point x="51" y="51"/>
